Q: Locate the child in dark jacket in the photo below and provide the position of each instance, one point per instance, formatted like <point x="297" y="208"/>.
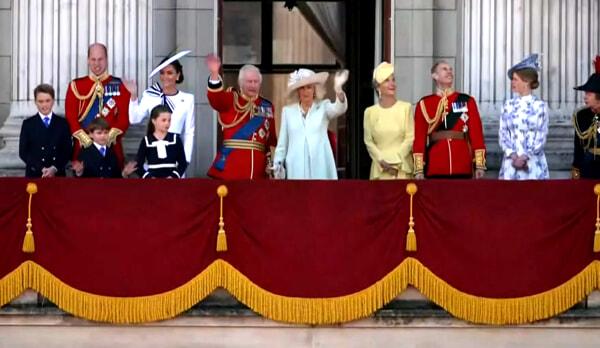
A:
<point x="160" y="150"/>
<point x="99" y="160"/>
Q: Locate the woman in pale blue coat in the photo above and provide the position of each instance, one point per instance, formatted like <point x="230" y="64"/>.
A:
<point x="303" y="150"/>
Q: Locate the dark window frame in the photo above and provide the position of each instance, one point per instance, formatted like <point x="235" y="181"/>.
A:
<point x="266" y="65"/>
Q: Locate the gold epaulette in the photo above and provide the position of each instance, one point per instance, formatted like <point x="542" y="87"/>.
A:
<point x="242" y="111"/>
<point x="586" y="136"/>
<point x="78" y="95"/>
<point x="440" y="113"/>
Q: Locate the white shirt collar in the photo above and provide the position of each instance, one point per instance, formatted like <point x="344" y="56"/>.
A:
<point x="98" y="146"/>
<point x="42" y="115"/>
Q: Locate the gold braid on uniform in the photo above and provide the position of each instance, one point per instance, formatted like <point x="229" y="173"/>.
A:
<point x="97" y="91"/>
<point x="242" y="110"/>
<point x="439" y="113"/>
<point x="587" y="136"/>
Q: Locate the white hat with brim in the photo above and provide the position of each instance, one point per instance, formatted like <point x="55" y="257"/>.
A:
<point x="168" y="61"/>
<point x="305" y="77"/>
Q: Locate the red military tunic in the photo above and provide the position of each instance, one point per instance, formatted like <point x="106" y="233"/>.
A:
<point x="448" y="136"/>
<point x="88" y="98"/>
<point x="248" y="134"/>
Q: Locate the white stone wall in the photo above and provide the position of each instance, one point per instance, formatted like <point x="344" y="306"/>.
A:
<point x="564" y="32"/>
<point x="50" y="41"/>
<point x="5" y="58"/>
<point x="52" y="331"/>
<point x="424" y="31"/>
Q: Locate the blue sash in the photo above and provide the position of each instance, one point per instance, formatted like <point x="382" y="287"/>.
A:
<point x="243" y="133"/>
<point x="112" y="89"/>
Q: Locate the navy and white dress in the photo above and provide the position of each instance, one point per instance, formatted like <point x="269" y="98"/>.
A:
<point x="523" y="130"/>
<point x="182" y="117"/>
<point x="163" y="157"/>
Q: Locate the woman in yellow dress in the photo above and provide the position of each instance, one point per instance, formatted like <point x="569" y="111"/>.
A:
<point x="389" y="129"/>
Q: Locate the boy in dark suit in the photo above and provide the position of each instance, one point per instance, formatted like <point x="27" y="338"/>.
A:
<point x="99" y="159"/>
<point x="45" y="143"/>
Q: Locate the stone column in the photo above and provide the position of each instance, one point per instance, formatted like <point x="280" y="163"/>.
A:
<point x="565" y="33"/>
<point x="49" y="45"/>
<point x="424" y="31"/>
<point x="197" y="30"/>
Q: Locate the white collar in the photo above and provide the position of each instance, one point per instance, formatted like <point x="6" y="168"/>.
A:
<point x="98" y="146"/>
<point x="526" y="98"/>
<point x="42" y="115"/>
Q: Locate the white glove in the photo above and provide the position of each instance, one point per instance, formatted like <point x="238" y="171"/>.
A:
<point x="278" y="171"/>
<point x="339" y="80"/>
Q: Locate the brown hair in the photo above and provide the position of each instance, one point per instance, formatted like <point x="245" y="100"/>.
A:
<point x="156" y="111"/>
<point x="43" y="88"/>
<point x="177" y="66"/>
<point x="530" y="76"/>
<point x="99" y="123"/>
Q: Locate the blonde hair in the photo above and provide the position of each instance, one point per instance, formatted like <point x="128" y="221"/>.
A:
<point x="319" y="93"/>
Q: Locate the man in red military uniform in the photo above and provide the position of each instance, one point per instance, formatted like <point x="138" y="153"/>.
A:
<point x="448" y="131"/>
<point x="97" y="95"/>
<point x="247" y="121"/>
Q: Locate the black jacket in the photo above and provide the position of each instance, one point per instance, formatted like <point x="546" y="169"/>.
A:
<point x="41" y="147"/>
<point x="97" y="166"/>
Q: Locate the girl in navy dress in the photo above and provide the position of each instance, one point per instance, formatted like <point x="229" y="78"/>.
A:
<point x="161" y="153"/>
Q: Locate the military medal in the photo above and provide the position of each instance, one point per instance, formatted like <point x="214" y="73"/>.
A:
<point x="105" y="112"/>
<point x="459" y="107"/>
<point x="111" y="103"/>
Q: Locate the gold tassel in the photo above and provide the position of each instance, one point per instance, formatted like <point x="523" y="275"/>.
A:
<point x="411" y="237"/>
<point x="221" y="236"/>
<point x="597" y="233"/>
<point x="28" y="241"/>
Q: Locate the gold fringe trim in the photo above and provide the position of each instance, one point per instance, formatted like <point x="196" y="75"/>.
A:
<point x="313" y="311"/>
<point x="503" y="311"/>
<point x="12" y="285"/>
<point x="121" y="310"/>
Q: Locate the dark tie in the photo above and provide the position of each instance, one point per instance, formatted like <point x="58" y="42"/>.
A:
<point x="46" y="121"/>
<point x="103" y="151"/>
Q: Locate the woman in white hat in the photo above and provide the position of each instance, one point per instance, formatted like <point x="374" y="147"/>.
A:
<point x="524" y="126"/>
<point x="166" y="93"/>
<point x="389" y="129"/>
<point x="303" y="150"/>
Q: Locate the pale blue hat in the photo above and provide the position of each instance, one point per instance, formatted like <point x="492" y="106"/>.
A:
<point x="531" y="62"/>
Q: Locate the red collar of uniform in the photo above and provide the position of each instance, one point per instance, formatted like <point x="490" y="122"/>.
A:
<point x="247" y="98"/>
<point x="444" y="92"/>
<point x="102" y="77"/>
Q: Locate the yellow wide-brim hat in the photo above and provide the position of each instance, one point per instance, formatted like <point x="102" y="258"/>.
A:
<point x="305" y="77"/>
<point x="382" y="72"/>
